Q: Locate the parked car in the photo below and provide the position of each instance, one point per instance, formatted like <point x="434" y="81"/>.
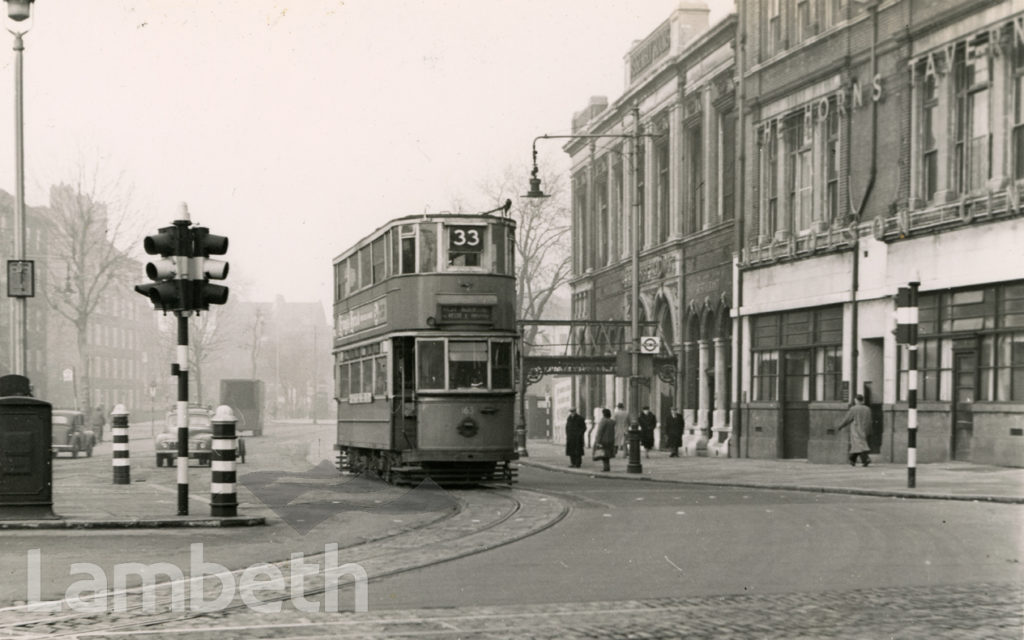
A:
<point x="200" y="438"/>
<point x="70" y="435"/>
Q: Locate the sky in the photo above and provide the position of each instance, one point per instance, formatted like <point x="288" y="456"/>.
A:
<point x="296" y="128"/>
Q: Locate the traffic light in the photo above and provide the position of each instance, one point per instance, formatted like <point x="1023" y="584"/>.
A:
<point x="169" y="290"/>
<point x="203" y="269"/>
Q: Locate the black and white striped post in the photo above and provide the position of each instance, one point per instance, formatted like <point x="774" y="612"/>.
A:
<point x="119" y="446"/>
<point x="180" y="369"/>
<point x="906" y="333"/>
<point x="223" y="492"/>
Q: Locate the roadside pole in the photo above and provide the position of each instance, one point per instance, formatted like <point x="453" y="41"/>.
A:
<point x="906" y="333"/>
<point x="180" y="369"/>
<point x="119" y="445"/>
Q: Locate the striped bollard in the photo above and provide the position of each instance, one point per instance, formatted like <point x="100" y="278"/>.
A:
<point x="119" y="446"/>
<point x="223" y="494"/>
<point x="906" y="333"/>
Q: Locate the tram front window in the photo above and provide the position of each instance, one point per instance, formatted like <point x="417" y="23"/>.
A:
<point x="467" y="365"/>
<point x="430" y="364"/>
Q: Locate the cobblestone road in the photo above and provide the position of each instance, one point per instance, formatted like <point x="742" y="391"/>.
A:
<point x="962" y="612"/>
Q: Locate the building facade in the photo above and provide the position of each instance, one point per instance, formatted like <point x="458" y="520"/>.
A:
<point x="881" y="143"/>
<point x="680" y="181"/>
<point x="121" y="341"/>
<point x="808" y="159"/>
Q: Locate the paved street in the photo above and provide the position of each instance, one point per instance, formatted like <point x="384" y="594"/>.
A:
<point x="659" y="559"/>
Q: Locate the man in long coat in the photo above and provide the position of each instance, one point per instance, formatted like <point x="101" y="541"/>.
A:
<point x="605" y="438"/>
<point x="575" y="429"/>
<point x="674" y="430"/>
<point x="858" y="418"/>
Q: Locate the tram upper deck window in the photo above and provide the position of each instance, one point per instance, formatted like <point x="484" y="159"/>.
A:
<point x="466" y="245"/>
<point x="467" y="364"/>
<point x="428" y="249"/>
<point x="408" y="248"/>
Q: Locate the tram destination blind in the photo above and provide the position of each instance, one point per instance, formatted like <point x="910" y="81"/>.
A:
<point x="465" y="313"/>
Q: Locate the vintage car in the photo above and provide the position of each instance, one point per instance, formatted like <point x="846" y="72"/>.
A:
<point x="70" y="435"/>
<point x="200" y="438"/>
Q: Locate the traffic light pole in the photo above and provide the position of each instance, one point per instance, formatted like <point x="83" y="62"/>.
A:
<point x="181" y="285"/>
<point x="180" y="369"/>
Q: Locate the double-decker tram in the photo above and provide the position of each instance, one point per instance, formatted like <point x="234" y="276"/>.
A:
<point x="424" y="349"/>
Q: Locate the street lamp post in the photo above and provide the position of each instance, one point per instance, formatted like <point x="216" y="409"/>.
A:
<point x="18" y="11"/>
<point x="535" y="191"/>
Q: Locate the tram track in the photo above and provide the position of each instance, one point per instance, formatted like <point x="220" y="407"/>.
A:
<point x="490" y="517"/>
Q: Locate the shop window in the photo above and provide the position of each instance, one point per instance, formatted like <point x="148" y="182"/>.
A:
<point x="828" y="368"/>
<point x="934" y="367"/>
<point x="766" y="376"/>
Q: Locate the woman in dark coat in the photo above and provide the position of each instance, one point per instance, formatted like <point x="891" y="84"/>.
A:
<point x="674" y="432"/>
<point x="605" y="438"/>
<point x="648" y="422"/>
<point x="575" y="429"/>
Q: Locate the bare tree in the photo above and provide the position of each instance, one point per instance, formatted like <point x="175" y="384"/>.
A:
<point x="256" y="345"/>
<point x="206" y="338"/>
<point x="91" y="222"/>
<point x="543" y="252"/>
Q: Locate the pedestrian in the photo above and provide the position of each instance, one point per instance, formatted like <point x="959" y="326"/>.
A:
<point x="575" y="429"/>
<point x="621" y="418"/>
<point x="858" y="417"/>
<point x="648" y="422"/>
<point x="99" y="420"/>
<point x="604" y="441"/>
<point x="675" y="432"/>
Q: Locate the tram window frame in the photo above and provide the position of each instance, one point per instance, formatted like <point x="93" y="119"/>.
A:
<point x="431" y="360"/>
<point x="509" y="375"/>
<point x="406" y="248"/>
<point x="427" y="248"/>
<point x="463" y="377"/>
<point x="470" y="259"/>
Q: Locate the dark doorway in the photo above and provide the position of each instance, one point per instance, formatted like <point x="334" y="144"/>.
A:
<point x="965" y="370"/>
<point x="796" y="394"/>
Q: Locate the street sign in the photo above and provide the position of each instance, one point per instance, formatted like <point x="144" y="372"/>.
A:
<point x="21" y="280"/>
<point x="650" y="344"/>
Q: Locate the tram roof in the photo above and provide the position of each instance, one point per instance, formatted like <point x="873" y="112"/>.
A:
<point x="422" y="217"/>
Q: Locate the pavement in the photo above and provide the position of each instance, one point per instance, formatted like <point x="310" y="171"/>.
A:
<point x="939" y="480"/>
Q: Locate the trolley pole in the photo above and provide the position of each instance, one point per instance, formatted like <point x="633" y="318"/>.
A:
<point x="906" y="333"/>
<point x="180" y="369"/>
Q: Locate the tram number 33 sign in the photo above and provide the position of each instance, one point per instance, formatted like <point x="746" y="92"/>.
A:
<point x="465" y="239"/>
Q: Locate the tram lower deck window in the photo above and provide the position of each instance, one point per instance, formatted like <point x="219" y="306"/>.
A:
<point x="467" y="364"/>
<point x="430" y="364"/>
